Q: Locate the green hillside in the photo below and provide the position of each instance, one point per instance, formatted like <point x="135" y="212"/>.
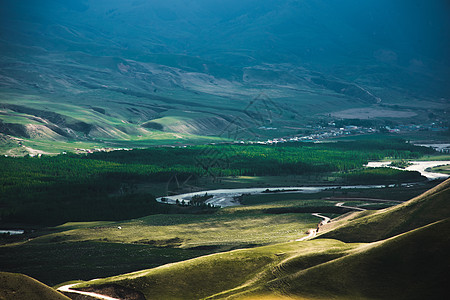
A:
<point x="90" y="74"/>
<point x="410" y="265"/>
<point x="224" y="273"/>
<point x="413" y="265"/>
<point x="427" y="208"/>
<point x="22" y="287"/>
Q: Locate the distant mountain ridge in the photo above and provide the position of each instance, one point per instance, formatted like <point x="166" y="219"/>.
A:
<point x="209" y="57"/>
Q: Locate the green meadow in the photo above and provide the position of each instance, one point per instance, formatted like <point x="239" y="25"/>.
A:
<point x="408" y="262"/>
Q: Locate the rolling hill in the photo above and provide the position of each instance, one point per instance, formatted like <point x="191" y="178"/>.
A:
<point x="412" y="264"/>
<point x="21" y="287"/>
<point x="425" y="209"/>
<point x="408" y="266"/>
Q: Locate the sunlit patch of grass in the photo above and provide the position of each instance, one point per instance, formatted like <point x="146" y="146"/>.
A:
<point x="188" y="231"/>
<point x="227" y="273"/>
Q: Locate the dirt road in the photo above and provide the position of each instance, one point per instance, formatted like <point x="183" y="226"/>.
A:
<point x="68" y="289"/>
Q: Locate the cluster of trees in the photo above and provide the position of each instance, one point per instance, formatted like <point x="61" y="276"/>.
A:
<point x="195" y="204"/>
<point x="198" y="200"/>
<point x="402" y="164"/>
<point x="381" y="175"/>
<point x="93" y="187"/>
<point x="281" y="159"/>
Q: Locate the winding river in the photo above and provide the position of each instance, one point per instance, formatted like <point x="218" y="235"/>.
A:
<point x="227" y="197"/>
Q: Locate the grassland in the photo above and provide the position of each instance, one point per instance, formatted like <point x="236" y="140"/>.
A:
<point x="408" y="266"/>
<point x="225" y="230"/>
<point x="136" y="232"/>
<point x="411" y="264"/>
<point x="224" y="273"/>
<point x="318" y="269"/>
<point x="98" y="249"/>
<point x="85" y="250"/>
<point x="435" y="157"/>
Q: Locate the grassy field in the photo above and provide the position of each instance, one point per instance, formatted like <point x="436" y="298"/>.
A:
<point x="408" y="266"/>
<point x="435" y="157"/>
<point x="57" y="262"/>
<point x="318" y="269"/>
<point x="149" y="241"/>
<point x="227" y="273"/>
<point x="102" y="249"/>
<point x="411" y="263"/>
<point x="224" y="230"/>
<point x="85" y="250"/>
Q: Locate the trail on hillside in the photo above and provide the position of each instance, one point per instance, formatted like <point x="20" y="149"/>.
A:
<point x="312" y="232"/>
<point x="68" y="289"/>
<point x="341" y="204"/>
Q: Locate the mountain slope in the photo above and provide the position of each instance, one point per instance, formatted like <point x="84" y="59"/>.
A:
<point x="223" y="273"/>
<point x="413" y="265"/>
<point x="126" y="64"/>
<point x="427" y="208"/>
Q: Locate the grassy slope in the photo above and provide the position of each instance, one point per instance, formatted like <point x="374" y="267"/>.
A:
<point x="22" y="287"/>
<point x="442" y="169"/>
<point x="413" y="265"/>
<point x="223" y="273"/>
<point x="85" y="250"/>
<point x="424" y="209"/>
<point x="409" y="266"/>
<point x="108" y="130"/>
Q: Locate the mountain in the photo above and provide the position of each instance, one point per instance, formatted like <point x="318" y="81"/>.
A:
<point x="97" y="72"/>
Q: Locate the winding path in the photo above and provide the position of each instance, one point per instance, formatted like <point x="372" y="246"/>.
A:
<point x="325" y="219"/>
<point x="341" y="204"/>
<point x="68" y="289"/>
<point x="313" y="232"/>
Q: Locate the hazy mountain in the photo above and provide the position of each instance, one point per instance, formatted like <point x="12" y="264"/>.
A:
<point x="212" y="57"/>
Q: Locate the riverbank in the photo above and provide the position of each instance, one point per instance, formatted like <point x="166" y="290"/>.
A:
<point x="419" y="166"/>
<point x="229" y="197"/>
